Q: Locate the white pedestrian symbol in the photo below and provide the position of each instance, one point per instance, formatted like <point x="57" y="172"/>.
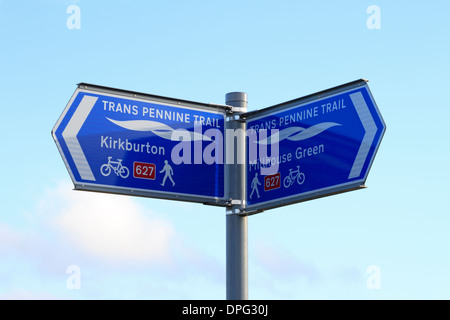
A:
<point x="168" y="173"/>
<point x="254" y="185"/>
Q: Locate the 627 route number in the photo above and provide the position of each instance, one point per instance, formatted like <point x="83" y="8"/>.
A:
<point x="272" y="182"/>
<point x="144" y="170"/>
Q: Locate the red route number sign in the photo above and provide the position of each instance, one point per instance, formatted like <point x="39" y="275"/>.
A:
<point x="272" y="182"/>
<point x="144" y="170"/>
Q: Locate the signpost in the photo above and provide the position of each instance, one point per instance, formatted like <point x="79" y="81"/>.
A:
<point x="321" y="144"/>
<point x="131" y="143"/>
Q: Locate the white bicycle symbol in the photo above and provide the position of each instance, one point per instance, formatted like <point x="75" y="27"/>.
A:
<point x="116" y="166"/>
<point x="293" y="176"/>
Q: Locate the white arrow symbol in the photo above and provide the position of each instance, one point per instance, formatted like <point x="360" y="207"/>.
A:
<point x="70" y="136"/>
<point x="371" y="129"/>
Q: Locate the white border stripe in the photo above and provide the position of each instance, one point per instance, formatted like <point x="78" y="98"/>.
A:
<point x="70" y="137"/>
<point x="371" y="129"/>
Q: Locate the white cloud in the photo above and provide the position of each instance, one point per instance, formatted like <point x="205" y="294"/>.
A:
<point x="110" y="227"/>
<point x="117" y="243"/>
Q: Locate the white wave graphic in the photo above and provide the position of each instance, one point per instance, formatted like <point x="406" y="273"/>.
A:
<point x="160" y="129"/>
<point x="298" y="133"/>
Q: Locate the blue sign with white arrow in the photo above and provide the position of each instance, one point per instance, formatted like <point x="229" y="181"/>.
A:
<point x="312" y="147"/>
<point x="131" y="143"/>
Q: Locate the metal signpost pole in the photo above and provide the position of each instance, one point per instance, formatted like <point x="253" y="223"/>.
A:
<point x="236" y="224"/>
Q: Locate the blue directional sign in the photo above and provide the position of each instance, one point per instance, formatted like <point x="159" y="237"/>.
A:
<point x="312" y="147"/>
<point x="131" y="143"/>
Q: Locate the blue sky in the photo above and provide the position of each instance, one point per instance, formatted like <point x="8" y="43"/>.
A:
<point x="136" y="248"/>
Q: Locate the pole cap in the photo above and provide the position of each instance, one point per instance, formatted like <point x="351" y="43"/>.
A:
<point x="238" y="101"/>
<point x="236" y="97"/>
